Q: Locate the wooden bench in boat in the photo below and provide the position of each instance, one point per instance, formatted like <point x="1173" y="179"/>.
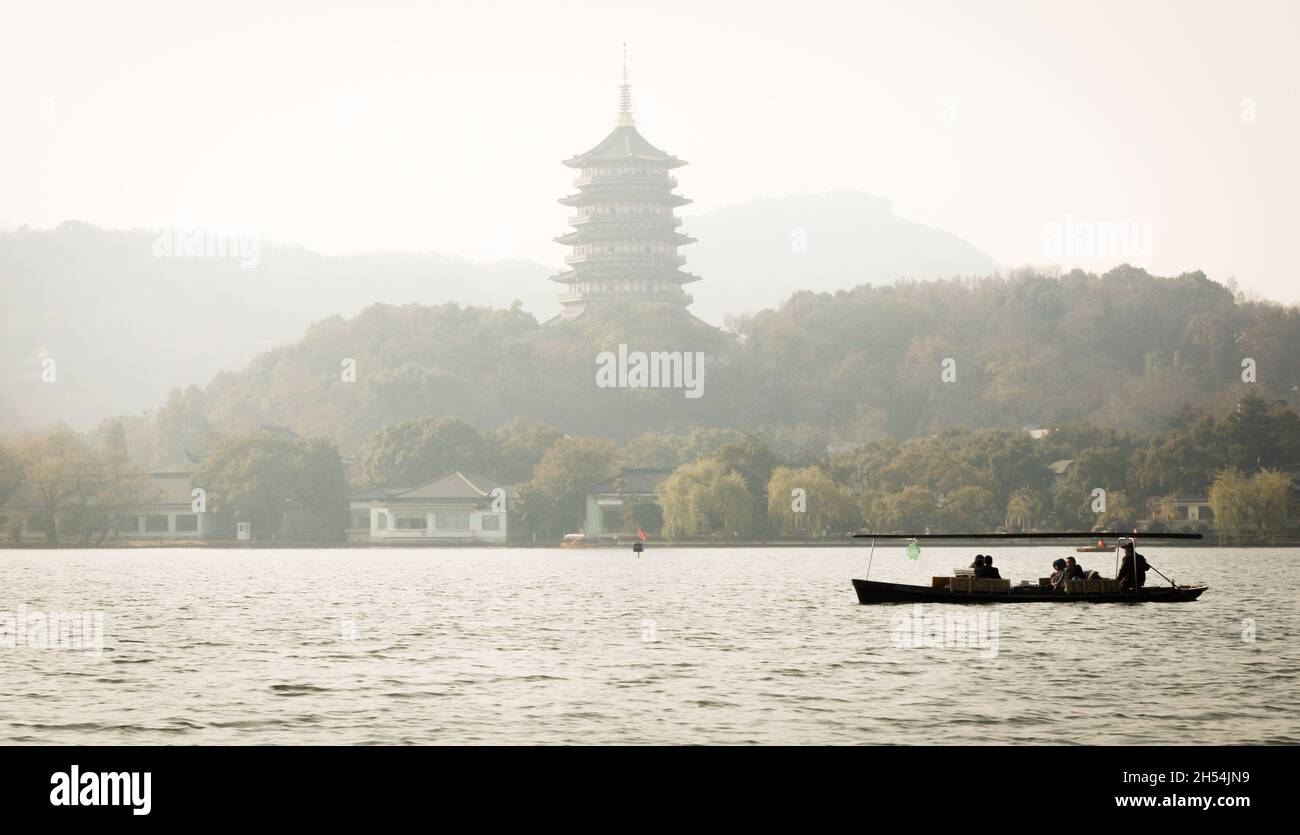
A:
<point x="975" y="585"/>
<point x="982" y="585"/>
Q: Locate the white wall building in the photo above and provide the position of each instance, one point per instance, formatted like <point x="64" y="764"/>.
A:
<point x="458" y="508"/>
<point x="165" y="513"/>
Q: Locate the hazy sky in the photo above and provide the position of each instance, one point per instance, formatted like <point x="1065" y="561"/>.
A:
<point x="440" y="126"/>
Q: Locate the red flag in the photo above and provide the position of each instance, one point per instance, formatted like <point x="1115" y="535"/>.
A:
<point x="640" y="534"/>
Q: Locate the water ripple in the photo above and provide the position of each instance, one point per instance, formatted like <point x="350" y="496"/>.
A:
<point x="680" y="646"/>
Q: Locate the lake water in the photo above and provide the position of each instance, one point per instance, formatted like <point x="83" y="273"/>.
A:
<point x="597" y="646"/>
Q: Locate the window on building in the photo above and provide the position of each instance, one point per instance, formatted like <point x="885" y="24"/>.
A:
<point x="410" y="522"/>
<point x="361" y="521"/>
<point x="491" y="522"/>
<point x="187" y="523"/>
<point x="128" y="524"/>
<point x="155" y="523"/>
<point x="451" y="521"/>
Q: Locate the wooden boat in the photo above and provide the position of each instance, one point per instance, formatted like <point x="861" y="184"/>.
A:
<point x="1099" y="548"/>
<point x="965" y="589"/>
<point x="871" y="591"/>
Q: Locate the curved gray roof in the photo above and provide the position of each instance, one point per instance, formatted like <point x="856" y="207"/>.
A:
<point x="624" y="142"/>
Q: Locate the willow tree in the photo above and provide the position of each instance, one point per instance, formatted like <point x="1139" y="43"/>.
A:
<point x="809" y="500"/>
<point x="706" y="498"/>
<point x="1269" y="499"/>
<point x="1230" y="501"/>
<point x="1024" y="508"/>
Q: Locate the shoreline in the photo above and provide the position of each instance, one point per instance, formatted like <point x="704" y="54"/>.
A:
<point x="833" y="543"/>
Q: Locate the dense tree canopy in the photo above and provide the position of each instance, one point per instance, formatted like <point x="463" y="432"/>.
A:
<point x="415" y="451"/>
<point x="912" y="401"/>
<point x="1124" y="350"/>
<point x="262" y="477"/>
<point x="553" y="503"/>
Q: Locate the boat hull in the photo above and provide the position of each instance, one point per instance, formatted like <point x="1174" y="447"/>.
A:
<point x="870" y="591"/>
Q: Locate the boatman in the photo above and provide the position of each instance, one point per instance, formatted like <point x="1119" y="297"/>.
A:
<point x="1132" y="568"/>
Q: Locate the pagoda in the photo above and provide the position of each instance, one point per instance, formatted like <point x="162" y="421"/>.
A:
<point x="624" y="239"/>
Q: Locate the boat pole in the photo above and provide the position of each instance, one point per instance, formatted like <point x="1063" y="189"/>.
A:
<point x="1156" y="570"/>
<point x="869" y="557"/>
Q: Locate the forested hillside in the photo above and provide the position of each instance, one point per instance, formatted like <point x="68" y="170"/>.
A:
<point x="1125" y="351"/>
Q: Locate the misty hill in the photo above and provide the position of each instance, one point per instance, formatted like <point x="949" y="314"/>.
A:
<point x="125" y="327"/>
<point x="1125" y="350"/>
<point x="756" y="254"/>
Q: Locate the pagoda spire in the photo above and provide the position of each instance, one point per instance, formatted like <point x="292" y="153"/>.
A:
<point x="625" y="96"/>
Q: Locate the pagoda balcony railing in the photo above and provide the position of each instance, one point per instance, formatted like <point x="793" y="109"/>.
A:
<point x="635" y="217"/>
<point x="675" y="296"/>
<point x="655" y="259"/>
<point x="656" y="180"/>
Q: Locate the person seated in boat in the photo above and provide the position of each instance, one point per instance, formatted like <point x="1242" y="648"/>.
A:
<point x="979" y="562"/>
<point x="1132" y="568"/>
<point x="988" y="570"/>
<point x="1058" y="575"/>
<point x="1074" y="571"/>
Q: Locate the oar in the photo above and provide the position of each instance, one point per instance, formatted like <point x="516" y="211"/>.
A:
<point x="1156" y="570"/>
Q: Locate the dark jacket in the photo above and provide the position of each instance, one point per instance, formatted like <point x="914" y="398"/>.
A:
<point x="989" y="571"/>
<point x="1075" y="573"/>
<point x="1130" y="576"/>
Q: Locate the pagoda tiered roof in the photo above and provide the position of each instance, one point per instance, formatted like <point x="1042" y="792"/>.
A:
<point x="624" y="142"/>
<point x="625" y="238"/>
<point x="613" y="232"/>
<point x="598" y="272"/>
<point x="660" y="195"/>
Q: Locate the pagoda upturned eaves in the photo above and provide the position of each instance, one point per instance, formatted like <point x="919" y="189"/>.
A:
<point x="624" y="239"/>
